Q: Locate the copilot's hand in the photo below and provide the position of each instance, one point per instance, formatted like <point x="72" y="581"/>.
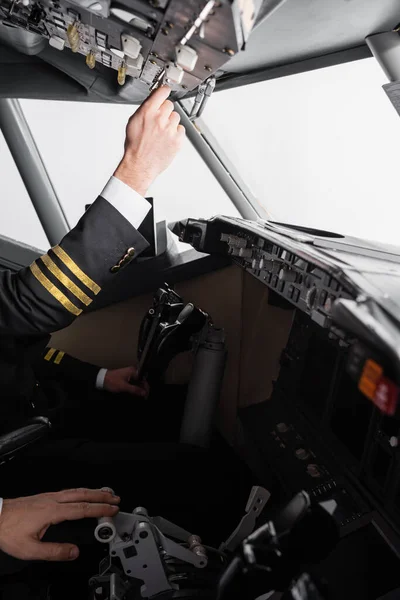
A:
<point x="119" y="381"/>
<point x="24" y="521"/>
<point x="153" y="138"/>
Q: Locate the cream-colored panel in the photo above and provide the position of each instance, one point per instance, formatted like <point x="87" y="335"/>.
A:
<point x="255" y="332"/>
<point x="265" y="331"/>
<point x="107" y="337"/>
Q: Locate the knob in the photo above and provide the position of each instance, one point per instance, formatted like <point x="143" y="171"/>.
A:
<point x="311" y="297"/>
<point x="302" y="454"/>
<point x="282" y="427"/>
<point x="394" y="441"/>
<point x="287" y="275"/>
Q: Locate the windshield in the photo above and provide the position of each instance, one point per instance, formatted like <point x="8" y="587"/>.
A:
<point x="318" y="149"/>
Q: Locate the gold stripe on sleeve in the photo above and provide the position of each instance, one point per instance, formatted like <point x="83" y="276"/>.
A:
<point x="59" y="358"/>
<point x="73" y="267"/>
<point x="54" y="291"/>
<point x="70" y="285"/>
<point x="50" y="354"/>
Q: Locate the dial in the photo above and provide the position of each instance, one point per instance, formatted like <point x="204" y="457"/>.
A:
<point x="311" y="296"/>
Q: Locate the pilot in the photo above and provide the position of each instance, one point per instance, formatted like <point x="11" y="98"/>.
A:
<point x="62" y="284"/>
<point x="183" y="484"/>
<point x="51" y="293"/>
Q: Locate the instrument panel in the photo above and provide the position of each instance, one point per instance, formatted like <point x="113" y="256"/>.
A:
<point x="305" y="285"/>
<point x="332" y="280"/>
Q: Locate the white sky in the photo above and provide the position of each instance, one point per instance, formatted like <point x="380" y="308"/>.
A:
<point x="318" y="149"/>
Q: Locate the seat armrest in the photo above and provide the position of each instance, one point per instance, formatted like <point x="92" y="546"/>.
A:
<point x="15" y="441"/>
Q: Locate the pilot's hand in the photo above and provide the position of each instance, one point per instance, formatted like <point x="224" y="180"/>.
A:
<point x="153" y="138"/>
<point x="119" y="381"/>
<point x="24" y="521"/>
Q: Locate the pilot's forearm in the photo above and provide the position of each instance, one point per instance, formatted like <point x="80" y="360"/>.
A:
<point x="62" y="284"/>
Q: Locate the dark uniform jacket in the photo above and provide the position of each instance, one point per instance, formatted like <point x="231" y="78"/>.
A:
<point x="48" y="295"/>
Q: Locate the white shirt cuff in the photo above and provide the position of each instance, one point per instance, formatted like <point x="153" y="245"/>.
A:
<point x="1" y="505"/>
<point x="100" y="379"/>
<point x="129" y="203"/>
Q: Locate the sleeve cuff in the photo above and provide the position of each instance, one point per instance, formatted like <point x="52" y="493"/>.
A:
<point x="1" y="505"/>
<point x="100" y="380"/>
<point x="129" y="203"/>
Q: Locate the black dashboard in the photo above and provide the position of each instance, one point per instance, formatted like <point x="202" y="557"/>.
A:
<point x="332" y="424"/>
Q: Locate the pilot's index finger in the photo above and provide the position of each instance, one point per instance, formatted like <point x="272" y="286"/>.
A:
<point x="87" y="495"/>
<point x="158" y="97"/>
<point x="73" y="511"/>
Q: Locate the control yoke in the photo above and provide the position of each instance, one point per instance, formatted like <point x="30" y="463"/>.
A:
<point x="170" y="327"/>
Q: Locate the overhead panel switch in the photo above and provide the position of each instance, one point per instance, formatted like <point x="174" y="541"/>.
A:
<point x="186" y="57"/>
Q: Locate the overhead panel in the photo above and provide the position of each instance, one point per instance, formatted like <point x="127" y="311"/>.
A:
<point x="178" y="42"/>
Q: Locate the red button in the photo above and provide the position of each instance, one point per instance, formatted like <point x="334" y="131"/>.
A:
<point x="386" y="396"/>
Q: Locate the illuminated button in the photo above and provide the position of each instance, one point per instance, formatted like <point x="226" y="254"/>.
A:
<point x="282" y="427"/>
<point x="302" y="454"/>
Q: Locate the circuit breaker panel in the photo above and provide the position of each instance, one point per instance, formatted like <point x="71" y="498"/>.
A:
<point x="178" y="42"/>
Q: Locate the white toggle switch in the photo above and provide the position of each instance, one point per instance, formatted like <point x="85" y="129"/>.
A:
<point x="57" y="42"/>
<point x="130" y="45"/>
<point x="116" y="52"/>
<point x="174" y="73"/>
<point x="186" y="57"/>
<point x="134" y="66"/>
